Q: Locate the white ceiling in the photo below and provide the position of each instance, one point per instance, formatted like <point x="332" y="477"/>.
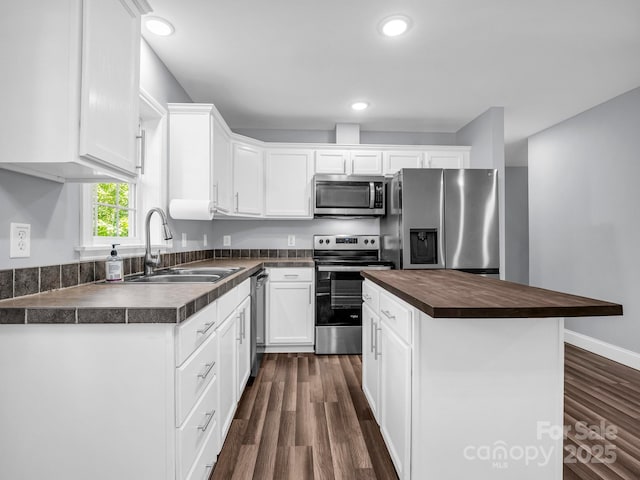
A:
<point x="298" y="64"/>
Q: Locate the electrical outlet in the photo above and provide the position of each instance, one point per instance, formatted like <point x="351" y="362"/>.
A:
<point x="204" y="240"/>
<point x="20" y="240"/>
<point x="226" y="241"/>
<point x="184" y="239"/>
<point x="291" y="241"/>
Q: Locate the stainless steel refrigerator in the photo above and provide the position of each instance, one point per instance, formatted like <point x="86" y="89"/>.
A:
<point x="442" y="218"/>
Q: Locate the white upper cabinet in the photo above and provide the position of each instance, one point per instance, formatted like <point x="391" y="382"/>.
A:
<point x="366" y="162"/>
<point x="454" y="158"/>
<point x="288" y="176"/>
<point x="348" y="162"/>
<point x="247" y="179"/>
<point x="72" y="111"/>
<point x="222" y="186"/>
<point x="110" y="82"/>
<point x="331" y="162"/>
<point x="190" y="152"/>
<point x="395" y="160"/>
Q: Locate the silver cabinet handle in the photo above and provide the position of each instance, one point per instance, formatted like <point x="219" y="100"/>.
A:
<point x="387" y="314"/>
<point x="377" y="352"/>
<point x="244" y="323"/>
<point x="209" y="416"/>
<point x="310" y="296"/>
<point x="373" y="329"/>
<point x="207" y="369"/>
<point x="206" y="328"/>
<point x="344" y="165"/>
<point x="367" y="297"/>
<point x="237" y="202"/>
<point x="241" y="326"/>
<point x="143" y="150"/>
<point x="215" y="195"/>
<point x="291" y="275"/>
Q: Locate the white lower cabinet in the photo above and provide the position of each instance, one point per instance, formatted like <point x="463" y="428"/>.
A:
<point x="227" y="361"/>
<point x="395" y="404"/>
<point x="244" y="346"/>
<point x="290" y="307"/>
<point x="387" y="332"/>
<point x="370" y="358"/>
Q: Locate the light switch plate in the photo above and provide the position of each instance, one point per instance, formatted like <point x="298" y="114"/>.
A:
<point x="291" y="241"/>
<point x="226" y="240"/>
<point x="184" y="239"/>
<point x="204" y="239"/>
<point x="20" y="235"/>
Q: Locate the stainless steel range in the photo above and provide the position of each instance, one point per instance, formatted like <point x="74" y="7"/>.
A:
<point x="339" y="261"/>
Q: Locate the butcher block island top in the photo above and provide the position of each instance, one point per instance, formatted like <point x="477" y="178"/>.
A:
<point x="454" y="294"/>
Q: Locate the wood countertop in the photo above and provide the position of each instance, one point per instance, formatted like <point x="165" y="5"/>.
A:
<point x="124" y="302"/>
<point x="454" y="294"/>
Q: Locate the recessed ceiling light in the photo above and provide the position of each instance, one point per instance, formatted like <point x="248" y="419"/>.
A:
<point x="159" y="26"/>
<point x="394" y="25"/>
<point x="359" y="106"/>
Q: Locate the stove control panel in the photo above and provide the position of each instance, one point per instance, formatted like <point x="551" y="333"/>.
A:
<point x="346" y="242"/>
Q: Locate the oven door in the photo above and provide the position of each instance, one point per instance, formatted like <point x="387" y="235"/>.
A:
<point x="338" y="298"/>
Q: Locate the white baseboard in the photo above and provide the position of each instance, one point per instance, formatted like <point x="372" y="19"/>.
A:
<point x="290" y="349"/>
<point x="607" y="350"/>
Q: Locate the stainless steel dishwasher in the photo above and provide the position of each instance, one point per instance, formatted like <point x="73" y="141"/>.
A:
<point x="257" y="318"/>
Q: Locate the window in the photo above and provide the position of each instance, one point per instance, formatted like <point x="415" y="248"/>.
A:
<point x="114" y="210"/>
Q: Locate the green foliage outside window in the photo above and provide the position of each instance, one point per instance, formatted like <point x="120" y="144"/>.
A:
<point x="113" y="210"/>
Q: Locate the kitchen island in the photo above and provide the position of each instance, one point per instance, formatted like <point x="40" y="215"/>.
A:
<point x="465" y="374"/>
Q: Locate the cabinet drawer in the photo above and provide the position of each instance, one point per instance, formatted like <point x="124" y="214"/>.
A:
<point x="199" y="425"/>
<point x="227" y="304"/>
<point x="370" y="295"/>
<point x="206" y="459"/>
<point x="194" y="331"/>
<point x="397" y="315"/>
<point x="291" y="274"/>
<point x="243" y="290"/>
<point x="194" y="375"/>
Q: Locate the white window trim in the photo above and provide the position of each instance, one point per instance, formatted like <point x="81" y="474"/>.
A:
<point x="96" y="248"/>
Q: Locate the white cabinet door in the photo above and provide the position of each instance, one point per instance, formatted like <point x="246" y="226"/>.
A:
<point x="190" y="148"/>
<point x="395" y="398"/>
<point x="446" y="159"/>
<point x="394" y="161"/>
<point x="244" y="345"/>
<point x="247" y="179"/>
<point x="109" y="92"/>
<point x="222" y="186"/>
<point x="332" y="162"/>
<point x="290" y="313"/>
<point x="288" y="183"/>
<point x="370" y="360"/>
<point x="227" y="372"/>
<point x="366" y="162"/>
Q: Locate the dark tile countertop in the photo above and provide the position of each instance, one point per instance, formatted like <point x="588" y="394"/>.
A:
<point x="134" y="302"/>
<point x="453" y="294"/>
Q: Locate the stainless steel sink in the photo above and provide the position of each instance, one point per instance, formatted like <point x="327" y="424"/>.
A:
<point x="185" y="275"/>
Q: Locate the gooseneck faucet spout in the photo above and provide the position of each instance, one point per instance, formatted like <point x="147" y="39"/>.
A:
<point x="150" y="260"/>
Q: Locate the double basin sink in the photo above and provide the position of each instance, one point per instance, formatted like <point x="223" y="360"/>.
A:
<point x="185" y="275"/>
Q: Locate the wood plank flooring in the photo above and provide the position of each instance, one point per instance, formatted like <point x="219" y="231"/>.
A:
<point x="600" y="390"/>
<point x="305" y="417"/>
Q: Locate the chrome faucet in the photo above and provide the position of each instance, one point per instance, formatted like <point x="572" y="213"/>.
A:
<point x="151" y="261"/>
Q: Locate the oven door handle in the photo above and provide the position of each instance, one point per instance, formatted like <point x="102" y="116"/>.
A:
<point x="351" y="268"/>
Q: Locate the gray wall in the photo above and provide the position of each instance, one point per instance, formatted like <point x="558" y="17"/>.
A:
<point x="485" y="135"/>
<point x="516" y="224"/>
<point x="584" y="213"/>
<point x="366" y="137"/>
<point x="53" y="209"/>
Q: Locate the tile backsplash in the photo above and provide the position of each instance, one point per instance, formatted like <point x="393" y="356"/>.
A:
<point x="27" y="281"/>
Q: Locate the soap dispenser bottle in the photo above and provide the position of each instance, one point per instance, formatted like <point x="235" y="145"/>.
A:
<point x="113" y="266"/>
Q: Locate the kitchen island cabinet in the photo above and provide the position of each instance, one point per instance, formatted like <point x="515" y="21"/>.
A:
<point x="471" y="373"/>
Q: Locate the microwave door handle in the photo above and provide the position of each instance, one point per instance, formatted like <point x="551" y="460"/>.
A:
<point x="372" y="194"/>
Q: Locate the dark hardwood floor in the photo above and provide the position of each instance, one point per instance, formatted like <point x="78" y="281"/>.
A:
<point x="600" y="392"/>
<point x="305" y="417"/>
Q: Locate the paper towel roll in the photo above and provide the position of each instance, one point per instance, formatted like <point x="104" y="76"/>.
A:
<point x="184" y="209"/>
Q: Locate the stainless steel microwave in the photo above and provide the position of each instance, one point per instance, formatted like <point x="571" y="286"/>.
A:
<point x="348" y="195"/>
